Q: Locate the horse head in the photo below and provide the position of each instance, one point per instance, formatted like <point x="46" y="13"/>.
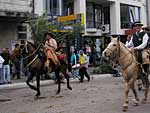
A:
<point x="112" y="49"/>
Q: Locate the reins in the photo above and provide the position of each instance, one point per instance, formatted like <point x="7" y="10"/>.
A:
<point x="131" y="59"/>
<point x="32" y="53"/>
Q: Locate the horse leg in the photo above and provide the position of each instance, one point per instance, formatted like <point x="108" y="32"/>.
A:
<point x="30" y="77"/>
<point x="38" y="84"/>
<point x="145" y="81"/>
<point x="57" y="71"/>
<point x="67" y="77"/>
<point x="125" y="105"/>
<point x="135" y="94"/>
<point x="128" y="86"/>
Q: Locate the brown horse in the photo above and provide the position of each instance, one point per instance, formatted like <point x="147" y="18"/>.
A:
<point x="129" y="67"/>
<point x="34" y="57"/>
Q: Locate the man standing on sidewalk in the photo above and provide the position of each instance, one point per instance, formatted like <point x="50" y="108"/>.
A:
<point x="6" y="67"/>
<point x="16" y="60"/>
<point x="83" y="66"/>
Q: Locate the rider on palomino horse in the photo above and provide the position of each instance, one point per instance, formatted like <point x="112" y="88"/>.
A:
<point x="50" y="47"/>
<point x="139" y="43"/>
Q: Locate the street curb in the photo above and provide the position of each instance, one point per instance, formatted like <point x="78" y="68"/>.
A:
<point x="44" y="82"/>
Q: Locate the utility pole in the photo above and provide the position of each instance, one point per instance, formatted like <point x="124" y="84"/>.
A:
<point x="147" y="12"/>
<point x="33" y="6"/>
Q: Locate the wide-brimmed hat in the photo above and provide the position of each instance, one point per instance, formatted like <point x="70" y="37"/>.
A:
<point x="138" y="23"/>
<point x="49" y="33"/>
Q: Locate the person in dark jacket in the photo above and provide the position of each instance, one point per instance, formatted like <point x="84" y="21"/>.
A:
<point x="139" y="40"/>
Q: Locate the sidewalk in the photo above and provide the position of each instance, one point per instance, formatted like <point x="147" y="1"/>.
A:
<point x="21" y="83"/>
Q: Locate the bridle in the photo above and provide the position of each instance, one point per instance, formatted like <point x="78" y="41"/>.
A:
<point x="119" y="57"/>
<point x="34" y="53"/>
<point x="31" y="54"/>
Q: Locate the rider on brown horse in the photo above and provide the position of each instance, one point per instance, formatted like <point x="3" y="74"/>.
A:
<point x="50" y="47"/>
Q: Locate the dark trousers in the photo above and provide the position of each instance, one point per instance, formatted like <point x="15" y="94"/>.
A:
<point x="140" y="56"/>
<point x="82" y="72"/>
<point x="17" y="67"/>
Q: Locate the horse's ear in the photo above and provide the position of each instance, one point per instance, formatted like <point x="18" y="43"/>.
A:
<point x="111" y="37"/>
<point x="118" y="38"/>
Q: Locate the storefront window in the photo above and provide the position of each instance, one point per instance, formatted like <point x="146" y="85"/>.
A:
<point x="68" y="7"/>
<point x="129" y="14"/>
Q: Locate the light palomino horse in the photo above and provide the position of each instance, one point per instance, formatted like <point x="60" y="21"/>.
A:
<point x="129" y="68"/>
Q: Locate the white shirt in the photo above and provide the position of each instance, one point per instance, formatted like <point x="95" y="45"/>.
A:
<point x="142" y="45"/>
<point x="1" y="61"/>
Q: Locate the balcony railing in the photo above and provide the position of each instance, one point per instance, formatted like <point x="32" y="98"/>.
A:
<point x="16" y="5"/>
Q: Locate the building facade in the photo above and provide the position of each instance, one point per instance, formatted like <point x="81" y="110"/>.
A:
<point x="101" y="17"/>
<point x="148" y="12"/>
<point x="13" y="16"/>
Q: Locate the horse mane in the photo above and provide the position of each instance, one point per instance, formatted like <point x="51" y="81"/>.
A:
<point x="124" y="46"/>
<point x="33" y="45"/>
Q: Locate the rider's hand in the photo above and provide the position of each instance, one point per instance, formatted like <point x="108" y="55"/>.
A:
<point x="134" y="48"/>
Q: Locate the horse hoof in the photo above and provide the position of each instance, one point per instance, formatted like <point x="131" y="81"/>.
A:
<point x="136" y="102"/>
<point x="38" y="94"/>
<point x="143" y="101"/>
<point x="69" y="87"/>
<point x="125" y="108"/>
<point x="58" y="92"/>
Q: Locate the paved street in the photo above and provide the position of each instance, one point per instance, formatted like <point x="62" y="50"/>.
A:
<point x="100" y="95"/>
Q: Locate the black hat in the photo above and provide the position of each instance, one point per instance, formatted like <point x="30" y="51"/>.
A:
<point x="138" y="23"/>
<point x="49" y="33"/>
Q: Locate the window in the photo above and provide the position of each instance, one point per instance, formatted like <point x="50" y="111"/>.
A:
<point x="52" y="7"/>
<point x="90" y="15"/>
<point x="98" y="16"/>
<point x="22" y="32"/>
<point x="68" y="7"/>
<point x="106" y="11"/>
<point x="129" y="14"/>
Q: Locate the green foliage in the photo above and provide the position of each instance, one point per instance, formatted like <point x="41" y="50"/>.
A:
<point x="104" y="69"/>
<point x="40" y="25"/>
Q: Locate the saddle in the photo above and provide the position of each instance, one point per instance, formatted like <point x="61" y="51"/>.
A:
<point x="51" y="54"/>
<point x="146" y="56"/>
<point x="60" y="56"/>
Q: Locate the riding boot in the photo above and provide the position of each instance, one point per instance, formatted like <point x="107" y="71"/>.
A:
<point x="139" y="76"/>
<point x="140" y="56"/>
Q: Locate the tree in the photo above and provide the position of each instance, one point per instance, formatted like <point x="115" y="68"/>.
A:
<point x="42" y="24"/>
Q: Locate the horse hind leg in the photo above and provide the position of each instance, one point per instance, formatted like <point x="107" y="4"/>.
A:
<point x="136" y="100"/>
<point x="57" y="71"/>
<point x="38" y="84"/>
<point x="29" y="80"/>
<point x="145" y="81"/>
<point x="67" y="78"/>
